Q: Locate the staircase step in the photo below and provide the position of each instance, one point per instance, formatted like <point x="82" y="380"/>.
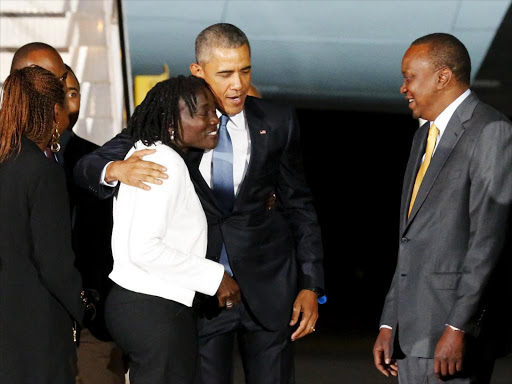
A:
<point x="80" y="30"/>
<point x="96" y="100"/>
<point x="58" y="32"/>
<point x="95" y="130"/>
<point x="41" y="7"/>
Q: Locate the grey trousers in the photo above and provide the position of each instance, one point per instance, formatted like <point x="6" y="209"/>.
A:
<point x="419" y="370"/>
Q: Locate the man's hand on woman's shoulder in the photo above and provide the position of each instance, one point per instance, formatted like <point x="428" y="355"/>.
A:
<point x="136" y="171"/>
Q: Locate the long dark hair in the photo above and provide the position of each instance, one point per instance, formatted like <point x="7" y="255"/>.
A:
<point x="29" y="98"/>
<point x="160" y="110"/>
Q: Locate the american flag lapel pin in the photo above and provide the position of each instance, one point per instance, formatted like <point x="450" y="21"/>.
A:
<point x="263" y="132"/>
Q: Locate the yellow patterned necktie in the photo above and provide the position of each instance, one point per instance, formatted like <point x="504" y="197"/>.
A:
<point x="431" y="144"/>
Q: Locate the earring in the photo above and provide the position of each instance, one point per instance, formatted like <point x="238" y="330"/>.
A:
<point x="172" y="134"/>
<point x="54" y="143"/>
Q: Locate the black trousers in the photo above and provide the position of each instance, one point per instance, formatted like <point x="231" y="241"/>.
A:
<point x="158" y="335"/>
<point x="267" y="356"/>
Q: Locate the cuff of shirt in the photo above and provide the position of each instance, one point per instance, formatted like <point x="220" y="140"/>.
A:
<point x="385" y="326"/>
<point x="454" y="328"/>
<point x="102" y="179"/>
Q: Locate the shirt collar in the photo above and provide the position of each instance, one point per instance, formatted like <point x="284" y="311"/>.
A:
<point x="238" y="120"/>
<point x="442" y="120"/>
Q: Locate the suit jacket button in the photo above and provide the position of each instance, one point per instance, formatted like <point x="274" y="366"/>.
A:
<point x="404" y="240"/>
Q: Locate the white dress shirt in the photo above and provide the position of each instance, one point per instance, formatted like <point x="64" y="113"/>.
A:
<point x="159" y="236"/>
<point x="241" y="141"/>
<point x="444" y="117"/>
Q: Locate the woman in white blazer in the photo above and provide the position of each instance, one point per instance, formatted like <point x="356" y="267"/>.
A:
<point x="159" y="238"/>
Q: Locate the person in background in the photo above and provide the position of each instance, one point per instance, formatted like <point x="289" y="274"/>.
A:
<point x="275" y="255"/>
<point x="445" y="315"/>
<point x="159" y="239"/>
<point x="46" y="57"/>
<point x="100" y="361"/>
<point x="40" y="288"/>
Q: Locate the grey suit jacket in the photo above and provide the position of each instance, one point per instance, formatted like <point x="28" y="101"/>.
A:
<point x="455" y="236"/>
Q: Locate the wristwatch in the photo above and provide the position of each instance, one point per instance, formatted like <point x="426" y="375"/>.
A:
<point x="319" y="292"/>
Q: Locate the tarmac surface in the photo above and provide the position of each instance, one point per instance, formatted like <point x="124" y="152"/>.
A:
<point x="328" y="357"/>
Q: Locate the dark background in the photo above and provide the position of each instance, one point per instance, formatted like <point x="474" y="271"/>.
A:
<point x="354" y="164"/>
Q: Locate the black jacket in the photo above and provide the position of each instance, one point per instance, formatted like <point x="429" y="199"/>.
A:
<point x="39" y="285"/>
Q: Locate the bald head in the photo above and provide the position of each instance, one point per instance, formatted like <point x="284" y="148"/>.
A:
<point x="40" y="54"/>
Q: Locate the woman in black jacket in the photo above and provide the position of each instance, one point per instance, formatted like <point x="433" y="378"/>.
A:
<point x="40" y="289"/>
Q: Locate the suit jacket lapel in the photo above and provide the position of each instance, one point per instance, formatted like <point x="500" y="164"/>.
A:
<point x="193" y="159"/>
<point x="454" y="131"/>
<point x="259" y="132"/>
<point x="417" y="152"/>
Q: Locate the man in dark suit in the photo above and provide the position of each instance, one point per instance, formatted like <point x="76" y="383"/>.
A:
<point x="441" y="317"/>
<point x="99" y="359"/>
<point x="274" y="255"/>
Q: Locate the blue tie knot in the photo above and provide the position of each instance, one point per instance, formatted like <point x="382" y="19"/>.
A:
<point x="224" y="121"/>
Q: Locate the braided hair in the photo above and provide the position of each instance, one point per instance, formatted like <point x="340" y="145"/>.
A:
<point x="29" y="98"/>
<point x="159" y="112"/>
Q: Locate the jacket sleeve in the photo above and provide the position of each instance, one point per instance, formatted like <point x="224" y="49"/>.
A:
<point x="297" y="201"/>
<point x="51" y="235"/>
<point x="388" y="316"/>
<point x="489" y="212"/>
<point x="87" y="172"/>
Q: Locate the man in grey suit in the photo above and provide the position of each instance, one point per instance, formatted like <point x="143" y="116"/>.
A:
<point x="441" y="318"/>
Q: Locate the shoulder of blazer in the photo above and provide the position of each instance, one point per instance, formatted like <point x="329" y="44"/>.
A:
<point x="472" y="107"/>
<point x="266" y="109"/>
<point x="263" y="115"/>
<point x="35" y="164"/>
<point x="466" y="109"/>
<point x="75" y="148"/>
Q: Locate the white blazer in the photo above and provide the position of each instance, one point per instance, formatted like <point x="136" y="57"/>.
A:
<point x="159" y="236"/>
